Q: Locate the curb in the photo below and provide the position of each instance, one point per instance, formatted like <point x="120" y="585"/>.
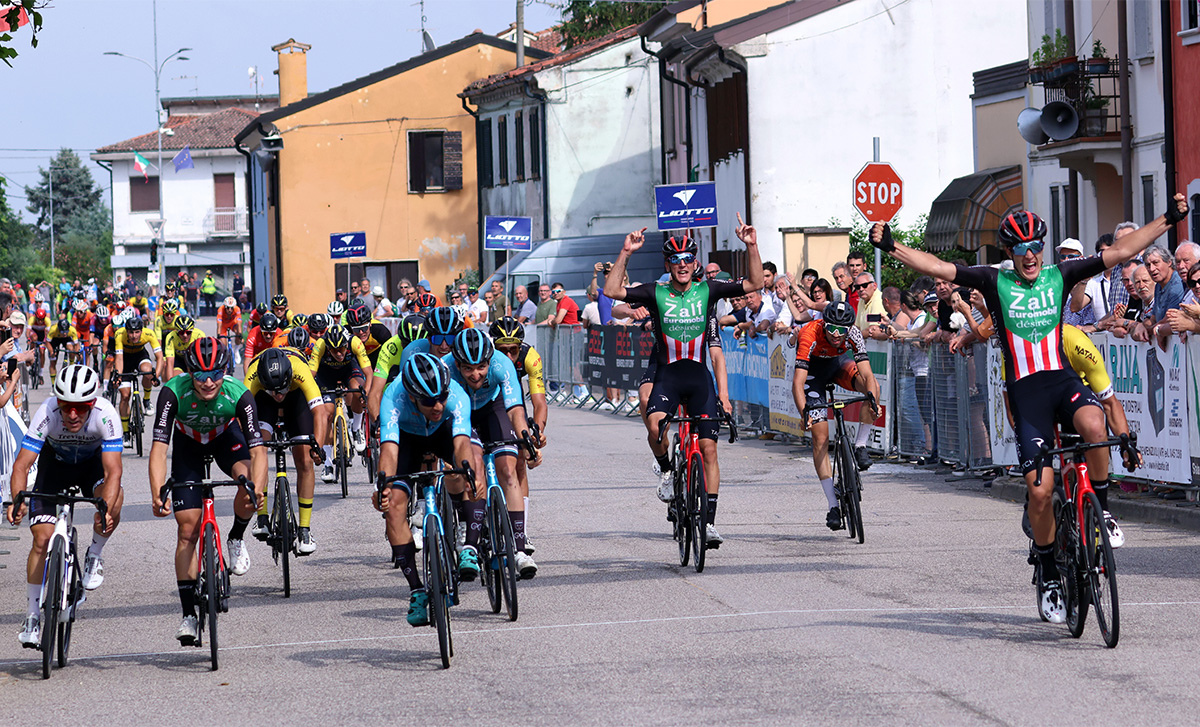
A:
<point x="1185" y="515"/>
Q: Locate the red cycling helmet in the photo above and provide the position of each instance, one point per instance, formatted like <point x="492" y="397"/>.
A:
<point x="1021" y="227"/>
<point x="681" y="246"/>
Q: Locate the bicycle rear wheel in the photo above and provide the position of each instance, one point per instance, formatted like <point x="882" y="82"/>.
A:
<point x="489" y="548"/>
<point x="851" y="492"/>
<point x="435" y="586"/>
<point x="51" y="605"/>
<point x="282" y="542"/>
<point x="697" y="510"/>
<point x="1101" y="571"/>
<point x="212" y="598"/>
<point x="341" y="456"/>
<point x="1066" y="557"/>
<point x="508" y="560"/>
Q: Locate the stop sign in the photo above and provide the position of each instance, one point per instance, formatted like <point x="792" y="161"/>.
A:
<point x="878" y="192"/>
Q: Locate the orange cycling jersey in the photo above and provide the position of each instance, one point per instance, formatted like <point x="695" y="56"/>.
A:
<point x="83" y="326"/>
<point x="228" y="320"/>
<point x="813" y="343"/>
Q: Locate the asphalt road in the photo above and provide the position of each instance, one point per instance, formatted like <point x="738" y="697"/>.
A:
<point x="932" y="621"/>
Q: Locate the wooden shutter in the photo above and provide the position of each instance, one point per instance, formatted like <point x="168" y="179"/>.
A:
<point x="519" y="137"/>
<point x="535" y="144"/>
<point x="452" y="160"/>
<point x="416" y="161"/>
<point x="143" y="194"/>
<point x="502" y="147"/>
<point x="483" y="151"/>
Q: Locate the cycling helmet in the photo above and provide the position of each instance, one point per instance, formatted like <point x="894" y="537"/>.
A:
<point x="299" y="320"/>
<point x="337" y="337"/>
<point x="679" y="246"/>
<point x="275" y="370"/>
<point x="37" y="297"/>
<point x="170" y="306"/>
<point x="80" y="305"/>
<point x="134" y="322"/>
<point x="358" y="316"/>
<point x="839" y="314"/>
<point x="1021" y="227"/>
<point x="336" y="309"/>
<point x="206" y="354"/>
<point x="297" y="338"/>
<point x="507" y="330"/>
<point x="185" y="323"/>
<point x="261" y="309"/>
<point x="269" y="323"/>
<point x="472" y="347"/>
<point x="425" y="377"/>
<point x="102" y="312"/>
<point x="444" y="321"/>
<point x="411" y="329"/>
<point x="425" y="301"/>
<point x="170" y="287"/>
<point x="279" y="300"/>
<point x="76" y="383"/>
<point x="317" y="323"/>
<point x="230" y="302"/>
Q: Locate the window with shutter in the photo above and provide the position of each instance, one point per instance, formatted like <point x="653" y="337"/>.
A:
<point x="452" y="158"/>
<point x="519" y="137"/>
<point x="535" y="144"/>
<point x="143" y="194"/>
<point x="502" y="146"/>
<point x="483" y="151"/>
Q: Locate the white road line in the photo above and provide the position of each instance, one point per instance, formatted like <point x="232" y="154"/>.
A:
<point x="594" y="624"/>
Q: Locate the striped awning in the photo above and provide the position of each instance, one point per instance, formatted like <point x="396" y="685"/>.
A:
<point x="968" y="212"/>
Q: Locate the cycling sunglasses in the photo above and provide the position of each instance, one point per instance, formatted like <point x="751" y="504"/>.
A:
<point x="836" y="330"/>
<point x="209" y="375"/>
<point x="79" y="409"/>
<point x="441" y="339"/>
<point x="556" y="291"/>
<point x="1035" y="246"/>
<point x="682" y="258"/>
<point x="430" y="401"/>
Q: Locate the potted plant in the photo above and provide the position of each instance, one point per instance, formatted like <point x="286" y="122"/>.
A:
<point x="1037" y="67"/>
<point x="1098" y="64"/>
<point x="1095" y="114"/>
<point x="1066" y="63"/>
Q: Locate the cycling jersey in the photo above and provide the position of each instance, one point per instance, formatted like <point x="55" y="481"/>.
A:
<point x="812" y="343"/>
<point x="377" y="335"/>
<point x="83" y="326"/>
<point x="1084" y="358"/>
<point x="387" y="364"/>
<point x="319" y="358"/>
<point x="58" y="335"/>
<point x="140" y="303"/>
<point x="229" y="320"/>
<point x="39" y="322"/>
<point x="175" y="345"/>
<point x="501" y="380"/>
<point x="681" y="319"/>
<point x="529" y="363"/>
<point x="256" y="343"/>
<point x="420" y="345"/>
<point x="163" y="325"/>
<point x="123" y="343"/>
<point x="302" y="379"/>
<point x="398" y="413"/>
<point x="100" y="433"/>
<point x="180" y="408"/>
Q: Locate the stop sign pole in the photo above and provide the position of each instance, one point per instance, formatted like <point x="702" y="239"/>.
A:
<point x="877" y="193"/>
<point x="878" y="252"/>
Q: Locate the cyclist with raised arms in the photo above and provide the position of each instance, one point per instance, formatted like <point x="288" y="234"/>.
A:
<point x="285" y="392"/>
<point x="681" y="309"/>
<point x="424" y="412"/>
<point x="74" y="439"/>
<point x="1026" y="304"/>
<point x="215" y="416"/>
<point x="831" y="350"/>
<point x="497" y="414"/>
<point x="132" y="357"/>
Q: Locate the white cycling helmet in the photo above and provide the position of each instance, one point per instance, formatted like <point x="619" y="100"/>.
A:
<point x="80" y="305"/>
<point x="77" y="383"/>
<point x="336" y="309"/>
<point x="230" y="302"/>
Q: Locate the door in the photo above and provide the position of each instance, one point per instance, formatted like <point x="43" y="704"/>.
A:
<point x="225" y="208"/>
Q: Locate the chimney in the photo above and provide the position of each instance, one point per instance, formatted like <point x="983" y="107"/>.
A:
<point x="292" y="71"/>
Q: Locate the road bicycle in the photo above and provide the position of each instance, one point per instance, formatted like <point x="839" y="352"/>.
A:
<point x="441" y="575"/>
<point x="62" y="577"/>
<point x="1082" y="550"/>
<point x="282" y="536"/>
<point x="343" y="448"/>
<point x="137" y="415"/>
<point x="847" y="485"/>
<point x="38" y="356"/>
<point x="212" y="581"/>
<point x="370" y="455"/>
<point x="227" y="344"/>
<point x="497" y="545"/>
<point x="688" y="509"/>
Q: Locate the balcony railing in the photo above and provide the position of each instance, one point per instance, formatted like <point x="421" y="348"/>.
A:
<point x="226" y="222"/>
<point x="1091" y="86"/>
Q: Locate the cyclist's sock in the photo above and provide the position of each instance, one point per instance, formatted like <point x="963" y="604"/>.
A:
<point x="830" y="497"/>
<point x="187" y="596"/>
<point x="864" y="433"/>
<point x="33" y="592"/>
<point x="518" y="525"/>
<point x="712" y="507"/>
<point x="406" y="556"/>
<point x="305" y="511"/>
<point x="475" y="510"/>
<point x="238" y="531"/>
<point x="328" y="454"/>
<point x="1045" y="554"/>
<point x="356" y="421"/>
<point x="262" y="506"/>
<point x="125" y="424"/>
<point x="98" y="542"/>
<point x="664" y="462"/>
<point x="1101" y="488"/>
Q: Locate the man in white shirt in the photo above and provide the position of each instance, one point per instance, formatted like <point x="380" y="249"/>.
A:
<point x="525" y="309"/>
<point x="383" y="306"/>
<point x="783" y="315"/>
<point x="478" y="309"/>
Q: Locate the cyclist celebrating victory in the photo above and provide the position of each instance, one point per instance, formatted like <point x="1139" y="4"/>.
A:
<point x="1026" y="304"/>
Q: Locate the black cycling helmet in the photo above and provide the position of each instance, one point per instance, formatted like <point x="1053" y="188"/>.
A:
<point x="507" y="328"/>
<point x="472" y="347"/>
<point x="412" y="329"/>
<point x="206" y="354"/>
<point x="275" y="370"/>
<point x="317" y="323"/>
<point x="679" y="246"/>
<point x="337" y="337"/>
<point x="135" y="323"/>
<point x="444" y="321"/>
<point x="358" y="316"/>
<point x="279" y="300"/>
<point x="297" y="338"/>
<point x="262" y="309"/>
<point x="299" y="320"/>
<point x="425" y="377"/>
<point x="1021" y="227"/>
<point x="269" y="323"/>
<point x="425" y="302"/>
<point x="184" y="323"/>
<point x="839" y="314"/>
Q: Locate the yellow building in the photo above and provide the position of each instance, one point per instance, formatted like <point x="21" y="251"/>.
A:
<point x="391" y="154"/>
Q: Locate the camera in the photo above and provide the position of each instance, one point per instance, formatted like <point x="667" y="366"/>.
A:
<point x="608" y="267"/>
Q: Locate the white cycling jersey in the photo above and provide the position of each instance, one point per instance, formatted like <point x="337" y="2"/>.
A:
<point x="100" y="433"/>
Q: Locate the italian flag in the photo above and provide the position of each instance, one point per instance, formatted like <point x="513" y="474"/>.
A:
<point x="140" y="164"/>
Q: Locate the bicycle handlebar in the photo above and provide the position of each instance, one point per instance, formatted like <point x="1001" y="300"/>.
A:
<point x="721" y="418"/>
<point x="525" y="442"/>
<point x="275" y="444"/>
<point x="839" y="403"/>
<point x="1127" y="443"/>
<point x="208" y="485"/>
<point x="342" y="391"/>
<point x="384" y="482"/>
<point x="96" y="502"/>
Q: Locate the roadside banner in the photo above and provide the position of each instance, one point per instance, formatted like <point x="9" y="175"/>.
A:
<point x="880" y="354"/>
<point x="1003" y="438"/>
<point x="784" y="416"/>
<point x="1193" y="397"/>
<point x="746" y="368"/>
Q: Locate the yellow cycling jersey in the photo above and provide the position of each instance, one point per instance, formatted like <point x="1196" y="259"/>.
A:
<point x="358" y="352"/>
<point x="302" y="378"/>
<point x="175" y="345"/>
<point x="530" y="364"/>
<point x="162" y="326"/>
<point x="124" y="344"/>
<point x="56" y="333"/>
<point x="1084" y="358"/>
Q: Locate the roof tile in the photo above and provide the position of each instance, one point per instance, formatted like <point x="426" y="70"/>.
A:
<point x="566" y="56"/>
<point x="200" y="131"/>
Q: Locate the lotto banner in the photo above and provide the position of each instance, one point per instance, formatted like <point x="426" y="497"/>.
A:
<point x="1150" y="384"/>
<point x="1003" y="438"/>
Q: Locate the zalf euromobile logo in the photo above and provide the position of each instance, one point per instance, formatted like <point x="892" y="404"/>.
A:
<point x="778" y="364"/>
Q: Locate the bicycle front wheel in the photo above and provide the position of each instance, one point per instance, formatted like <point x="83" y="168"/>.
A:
<point x="282" y="542"/>
<point x="697" y="510"/>
<point x="851" y="492"/>
<point x="1101" y="571"/>
<point x="136" y="415"/>
<point x="489" y="549"/>
<point x="212" y="598"/>
<point x="1067" y="556"/>
<point x="51" y="604"/>
<point x="74" y="594"/>
<point x="341" y="456"/>
<point x="435" y="586"/>
<point x="508" y="560"/>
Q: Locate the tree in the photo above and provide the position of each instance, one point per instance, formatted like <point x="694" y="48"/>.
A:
<point x="85" y="248"/>
<point x="584" y="20"/>
<point x="11" y="19"/>
<point x="75" y="193"/>
<point x="894" y="272"/>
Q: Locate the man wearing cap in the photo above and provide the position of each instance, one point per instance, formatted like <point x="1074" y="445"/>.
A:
<point x="1079" y="311"/>
<point x="383" y="306"/>
<point x="208" y="288"/>
<point x="478" y="308"/>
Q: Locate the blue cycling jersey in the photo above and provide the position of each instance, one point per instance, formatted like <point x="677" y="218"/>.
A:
<point x="501" y="378"/>
<point x="398" y="413"/>
<point x="421" y="345"/>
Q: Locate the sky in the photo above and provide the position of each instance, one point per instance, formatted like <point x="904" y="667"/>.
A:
<point x="66" y="93"/>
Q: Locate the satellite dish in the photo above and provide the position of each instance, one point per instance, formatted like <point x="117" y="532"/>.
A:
<point x="251" y="71"/>
<point x="427" y="42"/>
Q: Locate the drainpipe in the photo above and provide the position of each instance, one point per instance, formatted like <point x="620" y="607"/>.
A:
<point x="687" y="114"/>
<point x="1168" y="74"/>
<point x="544" y="172"/>
<point x="1126" y="124"/>
<point x="249" y="204"/>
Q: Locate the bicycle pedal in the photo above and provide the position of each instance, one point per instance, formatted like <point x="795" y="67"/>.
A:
<point x="710" y="545"/>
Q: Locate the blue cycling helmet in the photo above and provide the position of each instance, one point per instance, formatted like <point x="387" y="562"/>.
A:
<point x="472" y="347"/>
<point x="425" y="376"/>
<point x="444" y="321"/>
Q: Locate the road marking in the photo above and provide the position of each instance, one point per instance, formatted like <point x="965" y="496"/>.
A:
<point x="594" y="624"/>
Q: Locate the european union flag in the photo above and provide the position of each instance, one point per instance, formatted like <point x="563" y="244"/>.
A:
<point x="183" y="160"/>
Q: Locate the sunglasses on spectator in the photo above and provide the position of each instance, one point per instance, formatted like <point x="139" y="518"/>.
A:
<point x="79" y="409"/>
<point x="862" y="286"/>
<point x="441" y="339"/>
<point x="683" y="258"/>
<point x="837" y="330"/>
<point x="1068" y="256"/>
<point x="1194" y="283"/>
<point x="429" y="401"/>
<point x="556" y="291"/>
<point x="1034" y="246"/>
<point x="209" y="375"/>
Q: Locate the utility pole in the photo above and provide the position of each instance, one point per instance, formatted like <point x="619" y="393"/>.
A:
<point x="520" y="33"/>
<point x="878" y="254"/>
<point x="50" y="174"/>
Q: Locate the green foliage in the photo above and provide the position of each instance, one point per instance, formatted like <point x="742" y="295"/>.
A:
<point x="11" y="18"/>
<point x="75" y="193"/>
<point x="584" y="20"/>
<point x="894" y="272"/>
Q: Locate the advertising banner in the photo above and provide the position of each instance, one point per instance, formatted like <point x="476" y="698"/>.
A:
<point x="347" y="244"/>
<point x="746" y="368"/>
<point x="679" y="206"/>
<point x="1003" y="438"/>
<point x="1193" y="397"/>
<point x="507" y="233"/>
<point x="784" y="416"/>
